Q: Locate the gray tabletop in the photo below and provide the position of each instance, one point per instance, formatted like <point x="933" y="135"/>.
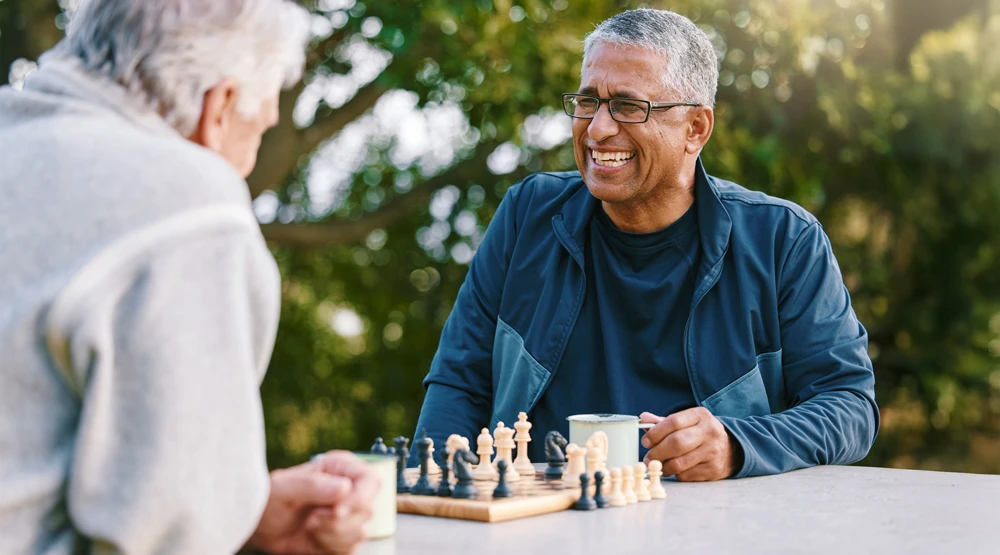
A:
<point x="832" y="509"/>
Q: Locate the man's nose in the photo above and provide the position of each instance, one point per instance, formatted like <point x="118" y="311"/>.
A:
<point x="603" y="125"/>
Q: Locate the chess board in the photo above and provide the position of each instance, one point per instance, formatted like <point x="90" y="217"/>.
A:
<point x="532" y="497"/>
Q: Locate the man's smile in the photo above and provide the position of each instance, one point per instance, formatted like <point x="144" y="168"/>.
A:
<point x="611" y="159"/>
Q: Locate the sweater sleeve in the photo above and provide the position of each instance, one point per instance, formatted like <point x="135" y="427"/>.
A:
<point x="833" y="418"/>
<point x="165" y="337"/>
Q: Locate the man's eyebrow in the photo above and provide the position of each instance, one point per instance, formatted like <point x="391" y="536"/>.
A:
<point x="625" y="94"/>
<point x="590" y="91"/>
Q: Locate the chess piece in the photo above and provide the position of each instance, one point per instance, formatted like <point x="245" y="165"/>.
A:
<point x="402" y="486"/>
<point x="599" y="497"/>
<point x="593" y="460"/>
<point x="599" y="440"/>
<point x="522" y="463"/>
<point x="575" y="465"/>
<point x="444" y="487"/>
<point x="390" y="451"/>
<point x="484" y="470"/>
<point x="455" y="444"/>
<point x="616" y="498"/>
<point x="628" y="484"/>
<point x="641" y="483"/>
<point x="503" y="489"/>
<point x="503" y="440"/>
<point x="554" y="445"/>
<point x="432" y="466"/>
<point x="465" y="489"/>
<point x="423" y="485"/>
<point x="379" y="447"/>
<point x="656" y="490"/>
<point x="586" y="502"/>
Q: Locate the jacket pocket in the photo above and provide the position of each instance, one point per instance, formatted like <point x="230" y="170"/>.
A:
<point x="745" y="396"/>
<point x="518" y="379"/>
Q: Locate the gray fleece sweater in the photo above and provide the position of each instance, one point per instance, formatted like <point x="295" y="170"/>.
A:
<point x="138" y="308"/>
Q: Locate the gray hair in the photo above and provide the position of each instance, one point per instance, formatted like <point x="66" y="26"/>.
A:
<point x="169" y="53"/>
<point x="692" y="67"/>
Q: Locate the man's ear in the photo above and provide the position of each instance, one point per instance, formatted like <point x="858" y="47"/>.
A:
<point x="699" y="129"/>
<point x="217" y="113"/>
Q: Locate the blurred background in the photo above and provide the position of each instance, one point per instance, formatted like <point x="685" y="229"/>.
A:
<point x="882" y="117"/>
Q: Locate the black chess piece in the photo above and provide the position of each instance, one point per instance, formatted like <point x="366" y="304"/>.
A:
<point x="444" y="487"/>
<point x="379" y="447"/>
<point x="599" y="497"/>
<point x="390" y="451"/>
<point x="464" y="489"/>
<point x="554" y="445"/>
<point x="503" y="489"/>
<point x="402" y="486"/>
<point x="586" y="502"/>
<point x="423" y="485"/>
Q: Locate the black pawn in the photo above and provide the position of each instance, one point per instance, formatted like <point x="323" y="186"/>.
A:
<point x="423" y="485"/>
<point x="503" y="488"/>
<point x="599" y="497"/>
<point x="402" y="486"/>
<point x="586" y="502"/>
<point x="379" y="447"/>
<point x="444" y="488"/>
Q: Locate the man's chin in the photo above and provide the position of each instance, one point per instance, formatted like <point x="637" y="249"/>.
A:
<point x="606" y="190"/>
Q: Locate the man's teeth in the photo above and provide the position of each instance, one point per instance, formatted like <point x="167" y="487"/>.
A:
<point x="611" y="159"/>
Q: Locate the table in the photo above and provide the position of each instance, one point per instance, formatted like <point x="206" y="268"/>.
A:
<point x="827" y="509"/>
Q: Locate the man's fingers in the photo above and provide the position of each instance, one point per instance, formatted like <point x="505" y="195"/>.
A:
<point x="672" y="423"/>
<point x="677" y="444"/>
<point x="678" y="466"/>
<point x="365" y="481"/>
<point x="703" y="472"/>
<point x="308" y="487"/>
<point x="362" y="496"/>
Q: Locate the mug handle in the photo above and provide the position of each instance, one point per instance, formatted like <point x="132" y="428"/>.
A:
<point x="646" y="425"/>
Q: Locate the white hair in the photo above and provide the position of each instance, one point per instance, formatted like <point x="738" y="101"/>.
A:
<point x="692" y="67"/>
<point x="169" y="53"/>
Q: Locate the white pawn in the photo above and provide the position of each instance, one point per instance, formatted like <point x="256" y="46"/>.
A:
<point x="522" y="463"/>
<point x="503" y="440"/>
<point x="432" y="466"/>
<point x="593" y="461"/>
<point x="484" y="470"/>
<point x="599" y="440"/>
<point x="616" y="498"/>
<point x="575" y="465"/>
<point x="656" y="490"/>
<point x="641" y="483"/>
<point x="628" y="484"/>
<point x="455" y="444"/>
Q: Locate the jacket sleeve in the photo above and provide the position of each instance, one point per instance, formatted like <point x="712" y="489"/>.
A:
<point x="459" y="397"/>
<point x="165" y="340"/>
<point x="828" y="375"/>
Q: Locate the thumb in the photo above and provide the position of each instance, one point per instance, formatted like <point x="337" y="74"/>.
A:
<point x="650" y="418"/>
<point x="307" y="487"/>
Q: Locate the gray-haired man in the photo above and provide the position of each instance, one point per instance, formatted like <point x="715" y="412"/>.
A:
<point x="138" y="301"/>
<point x="641" y="285"/>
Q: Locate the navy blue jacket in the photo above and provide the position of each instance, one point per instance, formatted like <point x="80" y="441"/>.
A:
<point x="772" y="345"/>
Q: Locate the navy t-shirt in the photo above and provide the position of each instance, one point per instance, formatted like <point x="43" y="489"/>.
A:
<point x="626" y="353"/>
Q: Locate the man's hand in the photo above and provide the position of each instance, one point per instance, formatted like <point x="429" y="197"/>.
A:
<point x="319" y="507"/>
<point x="693" y="445"/>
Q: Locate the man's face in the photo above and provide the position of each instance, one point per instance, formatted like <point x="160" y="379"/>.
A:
<point x="626" y="162"/>
<point x="241" y="138"/>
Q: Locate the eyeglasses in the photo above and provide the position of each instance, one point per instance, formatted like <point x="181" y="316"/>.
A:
<point x="623" y="110"/>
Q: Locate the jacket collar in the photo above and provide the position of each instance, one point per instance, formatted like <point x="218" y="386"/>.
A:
<point x="714" y="223"/>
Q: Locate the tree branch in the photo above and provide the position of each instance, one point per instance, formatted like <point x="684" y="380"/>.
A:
<point x="346" y="232"/>
<point x="329" y="125"/>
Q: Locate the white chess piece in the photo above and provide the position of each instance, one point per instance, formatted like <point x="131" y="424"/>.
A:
<point x="656" y="490"/>
<point x="503" y="440"/>
<point x="599" y="440"/>
<point x="455" y="444"/>
<point x="432" y="466"/>
<point x="484" y="470"/>
<point x="575" y="465"/>
<point x="641" y="483"/>
<point x="593" y="461"/>
<point x="616" y="498"/>
<point x="522" y="463"/>
<point x="628" y="484"/>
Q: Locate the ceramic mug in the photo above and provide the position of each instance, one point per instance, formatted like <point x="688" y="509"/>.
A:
<point x="622" y="431"/>
<point x="383" y="522"/>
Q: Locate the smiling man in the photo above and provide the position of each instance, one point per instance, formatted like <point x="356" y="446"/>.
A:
<point x="643" y="285"/>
